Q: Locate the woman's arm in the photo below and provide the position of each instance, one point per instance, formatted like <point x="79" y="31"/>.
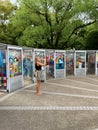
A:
<point x="42" y="64"/>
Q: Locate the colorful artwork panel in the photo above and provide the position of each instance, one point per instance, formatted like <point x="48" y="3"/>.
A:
<point x="40" y="54"/>
<point x="15" y="63"/>
<point x="3" y="79"/>
<point x="91" y="58"/>
<point x="80" y="60"/>
<point x="69" y="62"/>
<point x="50" y="64"/>
<point x="27" y="64"/>
<point x="59" y="60"/>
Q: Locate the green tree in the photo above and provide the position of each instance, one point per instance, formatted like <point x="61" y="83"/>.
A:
<point x="6" y="12"/>
<point x="92" y="40"/>
<point x="78" y="40"/>
<point x="52" y="23"/>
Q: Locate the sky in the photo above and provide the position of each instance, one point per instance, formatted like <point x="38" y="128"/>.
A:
<point x="13" y="1"/>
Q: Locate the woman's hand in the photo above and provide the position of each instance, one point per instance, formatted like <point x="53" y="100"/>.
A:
<point x="42" y="64"/>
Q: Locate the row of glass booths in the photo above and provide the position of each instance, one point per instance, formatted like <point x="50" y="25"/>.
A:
<point x="17" y="64"/>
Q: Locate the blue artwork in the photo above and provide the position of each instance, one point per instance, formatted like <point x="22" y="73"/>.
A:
<point x="15" y="63"/>
<point x="3" y="79"/>
<point x="2" y="63"/>
<point x="59" y="61"/>
<point x="27" y="64"/>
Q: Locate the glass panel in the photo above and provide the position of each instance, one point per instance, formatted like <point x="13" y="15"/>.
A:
<point x="27" y="64"/>
<point x="59" y="64"/>
<point x="50" y="64"/>
<point x="97" y="59"/>
<point x="91" y="56"/>
<point x="15" y="62"/>
<point x="59" y="60"/>
<point x="3" y="75"/>
<point x="69" y="62"/>
<point x="80" y="60"/>
<point x="40" y="54"/>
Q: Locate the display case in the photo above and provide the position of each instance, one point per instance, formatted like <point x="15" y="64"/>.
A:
<point x="80" y="63"/>
<point x="70" y="62"/>
<point x="41" y="54"/>
<point x="27" y="63"/>
<point x="3" y="68"/>
<point x="14" y="68"/>
<point x="49" y="64"/>
<point x="11" y="68"/>
<point x="59" y="63"/>
<point x="96" y="66"/>
<point x="90" y="62"/>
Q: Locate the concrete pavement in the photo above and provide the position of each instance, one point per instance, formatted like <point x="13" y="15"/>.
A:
<point x="23" y="110"/>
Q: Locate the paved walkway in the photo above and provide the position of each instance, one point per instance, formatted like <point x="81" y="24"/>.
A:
<point x="65" y="104"/>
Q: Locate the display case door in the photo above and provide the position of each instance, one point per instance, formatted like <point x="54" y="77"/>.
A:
<point x="49" y="65"/>
<point x="80" y="63"/>
<point x="3" y="70"/>
<point x="69" y="63"/>
<point x="15" y="68"/>
<point x="59" y="64"/>
<point x="40" y="53"/>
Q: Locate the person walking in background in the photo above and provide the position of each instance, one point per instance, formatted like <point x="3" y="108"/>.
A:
<point x="38" y="67"/>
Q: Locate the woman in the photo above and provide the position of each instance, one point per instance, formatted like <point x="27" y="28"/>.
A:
<point x="38" y="66"/>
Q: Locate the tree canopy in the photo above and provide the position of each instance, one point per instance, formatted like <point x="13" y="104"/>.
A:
<point x="92" y="40"/>
<point x="53" y="24"/>
<point x="6" y="12"/>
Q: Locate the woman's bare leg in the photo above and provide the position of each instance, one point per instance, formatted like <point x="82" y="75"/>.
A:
<point x="38" y="87"/>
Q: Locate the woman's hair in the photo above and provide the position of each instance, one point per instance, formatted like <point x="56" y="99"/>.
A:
<point x="36" y="59"/>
